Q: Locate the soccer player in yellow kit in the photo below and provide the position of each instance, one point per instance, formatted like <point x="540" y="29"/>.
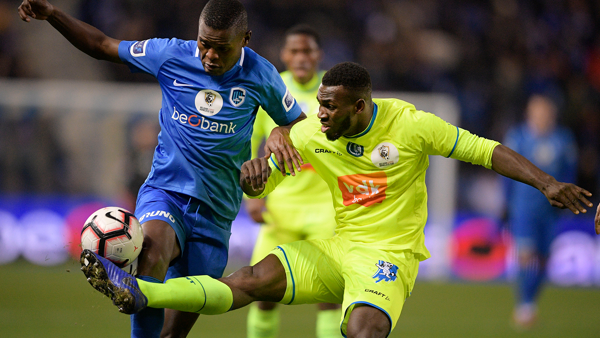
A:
<point x="300" y="208"/>
<point x="373" y="154"/>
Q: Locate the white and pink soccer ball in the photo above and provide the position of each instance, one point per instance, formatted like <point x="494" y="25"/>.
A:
<point x="115" y="234"/>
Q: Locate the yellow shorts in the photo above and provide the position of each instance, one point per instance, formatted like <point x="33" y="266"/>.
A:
<point x="339" y="271"/>
<point x="286" y="225"/>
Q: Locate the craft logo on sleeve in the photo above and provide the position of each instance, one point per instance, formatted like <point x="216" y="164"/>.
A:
<point x="363" y="189"/>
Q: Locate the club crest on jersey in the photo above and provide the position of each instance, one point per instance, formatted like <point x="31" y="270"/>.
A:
<point x="237" y="96"/>
<point x="138" y="49"/>
<point x="288" y="100"/>
<point x="386" y="271"/>
<point x="354" y="149"/>
<point x="384" y="155"/>
<point x="208" y="102"/>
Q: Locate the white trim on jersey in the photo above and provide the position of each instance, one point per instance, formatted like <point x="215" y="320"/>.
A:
<point x="242" y="58"/>
<point x="197" y="51"/>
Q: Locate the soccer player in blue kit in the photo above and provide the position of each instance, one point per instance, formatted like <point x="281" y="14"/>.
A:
<point x="552" y="148"/>
<point x="211" y="90"/>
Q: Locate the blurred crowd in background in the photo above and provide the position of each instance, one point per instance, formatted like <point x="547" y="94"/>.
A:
<point x="491" y="55"/>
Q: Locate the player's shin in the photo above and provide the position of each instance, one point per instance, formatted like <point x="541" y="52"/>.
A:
<point x="198" y="294"/>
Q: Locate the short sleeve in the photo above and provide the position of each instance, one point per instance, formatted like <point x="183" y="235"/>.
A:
<point x="439" y="137"/>
<point x="146" y="56"/>
<point x="277" y="100"/>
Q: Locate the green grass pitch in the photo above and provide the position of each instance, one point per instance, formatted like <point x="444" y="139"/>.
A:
<point x="58" y="302"/>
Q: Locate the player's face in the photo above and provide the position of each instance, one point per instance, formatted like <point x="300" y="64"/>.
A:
<point x="220" y="49"/>
<point x="301" y="55"/>
<point x="337" y="112"/>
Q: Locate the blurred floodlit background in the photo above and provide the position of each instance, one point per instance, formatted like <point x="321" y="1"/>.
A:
<point x="77" y="134"/>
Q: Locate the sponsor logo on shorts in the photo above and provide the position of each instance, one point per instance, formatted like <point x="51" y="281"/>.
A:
<point x="386" y="271"/>
<point x="378" y="293"/>
<point x="138" y="49"/>
<point x="158" y="213"/>
<point x="354" y="149"/>
<point x="363" y="189"/>
<point x="202" y="123"/>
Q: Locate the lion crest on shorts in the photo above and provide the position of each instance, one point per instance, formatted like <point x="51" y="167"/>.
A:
<point x="386" y="271"/>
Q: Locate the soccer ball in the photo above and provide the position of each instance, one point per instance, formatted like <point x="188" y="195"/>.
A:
<point x="115" y="234"/>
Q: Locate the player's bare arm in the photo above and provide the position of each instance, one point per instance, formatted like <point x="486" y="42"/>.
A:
<point x="254" y="174"/>
<point x="509" y="163"/>
<point x="280" y="144"/>
<point x="85" y="37"/>
<point x="255" y="208"/>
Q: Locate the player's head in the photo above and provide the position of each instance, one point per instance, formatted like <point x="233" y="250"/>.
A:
<point x="222" y="33"/>
<point x="301" y="52"/>
<point x="541" y="114"/>
<point x="345" y="100"/>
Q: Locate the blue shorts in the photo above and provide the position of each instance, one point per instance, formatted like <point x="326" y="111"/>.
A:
<point x="203" y="236"/>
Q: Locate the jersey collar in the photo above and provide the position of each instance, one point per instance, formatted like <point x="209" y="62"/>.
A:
<point x="362" y="133"/>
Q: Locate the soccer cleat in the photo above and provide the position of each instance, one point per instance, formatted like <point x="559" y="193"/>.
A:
<point x="113" y="282"/>
<point x="524" y="317"/>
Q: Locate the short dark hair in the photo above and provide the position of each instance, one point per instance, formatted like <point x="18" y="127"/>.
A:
<point x="304" y="29"/>
<point x="350" y="75"/>
<point x="224" y="14"/>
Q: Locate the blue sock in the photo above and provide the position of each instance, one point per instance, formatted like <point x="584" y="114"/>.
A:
<point x="529" y="282"/>
<point x="149" y="322"/>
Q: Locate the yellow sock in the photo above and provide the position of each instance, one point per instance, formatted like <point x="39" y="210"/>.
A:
<point x="199" y="294"/>
<point x="328" y="323"/>
<point x="262" y="324"/>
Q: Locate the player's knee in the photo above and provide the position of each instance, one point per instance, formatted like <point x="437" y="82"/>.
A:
<point x="368" y="330"/>
<point x="366" y="321"/>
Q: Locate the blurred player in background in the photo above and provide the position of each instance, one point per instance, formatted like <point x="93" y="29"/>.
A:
<point x="300" y="208"/>
<point x="373" y="154"/>
<point x="211" y="88"/>
<point x="532" y="220"/>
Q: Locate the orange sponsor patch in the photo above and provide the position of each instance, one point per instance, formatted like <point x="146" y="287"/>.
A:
<point x="307" y="166"/>
<point x="364" y="189"/>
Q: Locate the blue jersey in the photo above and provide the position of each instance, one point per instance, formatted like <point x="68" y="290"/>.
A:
<point x="554" y="153"/>
<point x="206" y="121"/>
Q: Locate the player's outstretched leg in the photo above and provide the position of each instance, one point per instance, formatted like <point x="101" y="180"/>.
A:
<point x="113" y="282"/>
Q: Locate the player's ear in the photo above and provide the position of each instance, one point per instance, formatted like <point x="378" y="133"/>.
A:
<point x="359" y="106"/>
<point x="246" y="38"/>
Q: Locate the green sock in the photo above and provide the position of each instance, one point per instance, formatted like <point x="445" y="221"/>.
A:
<point x="328" y="323"/>
<point x="199" y="294"/>
<point x="262" y="324"/>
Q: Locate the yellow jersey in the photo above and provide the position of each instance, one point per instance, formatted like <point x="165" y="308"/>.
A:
<point x="377" y="178"/>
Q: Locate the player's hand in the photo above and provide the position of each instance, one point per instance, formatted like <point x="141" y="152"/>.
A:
<point x="37" y="9"/>
<point x="255" y="208"/>
<point x="254" y="174"/>
<point x="567" y="196"/>
<point x="280" y="144"/>
<point x="597" y="220"/>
